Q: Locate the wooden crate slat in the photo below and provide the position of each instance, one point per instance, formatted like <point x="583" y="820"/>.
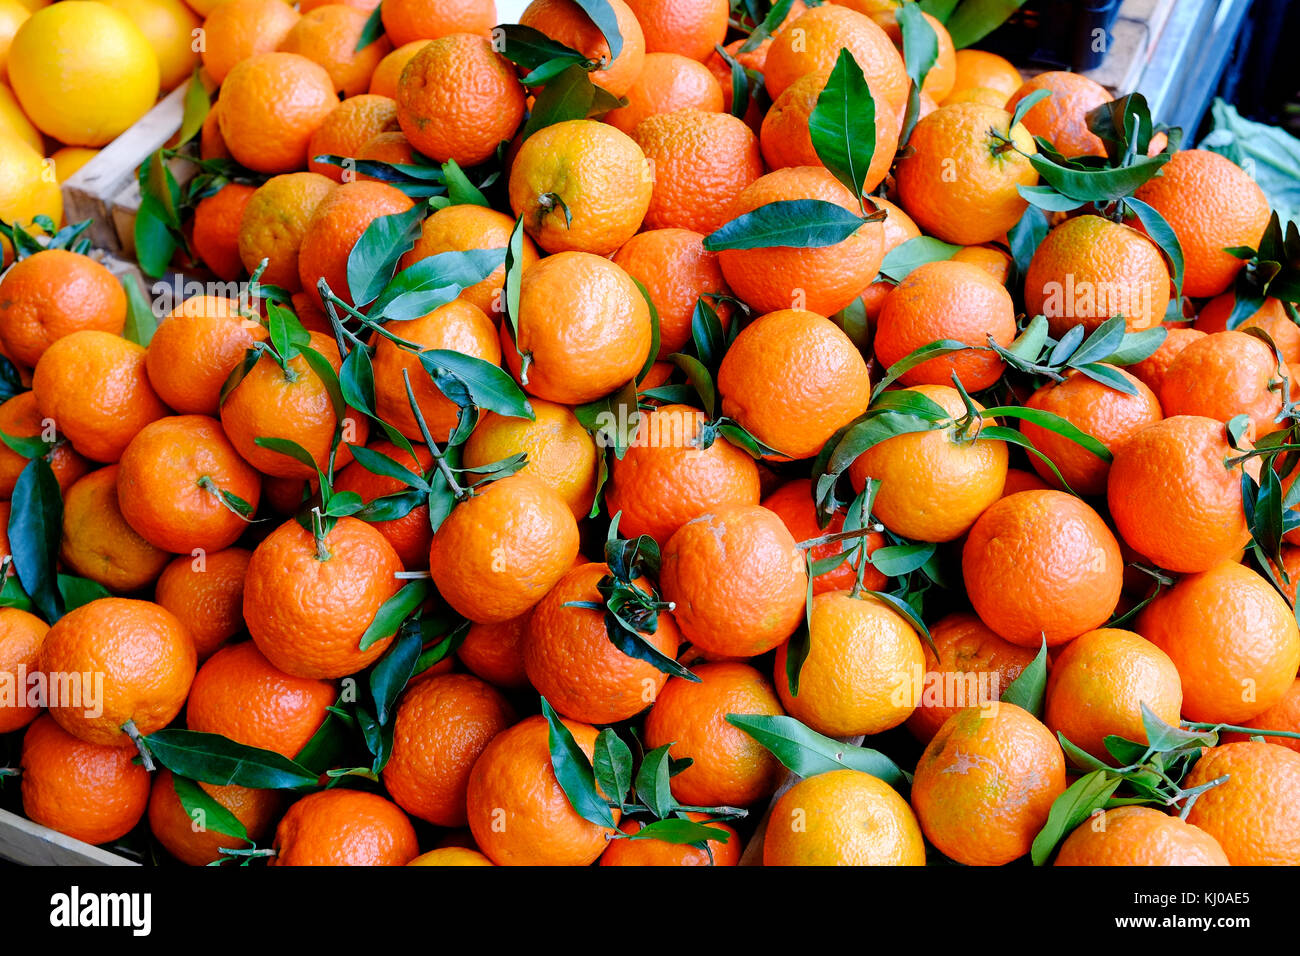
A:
<point x="22" y="841"/>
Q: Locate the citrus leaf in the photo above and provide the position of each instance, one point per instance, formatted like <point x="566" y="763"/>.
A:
<point x="573" y="772"/>
<point x="393" y="671"/>
<point x="380" y="464"/>
<point x="76" y="591"/>
<point x="652" y="786"/>
<point x="612" y="765"/>
<point x="680" y="831"/>
<point x="197" y="105"/>
<point x="141" y="323"/>
<point x="433" y="281"/>
<point x="460" y="190"/>
<point x="764" y="28"/>
<point x="1138" y="346"/>
<point x="1053" y="423"/>
<point x="1162" y="234"/>
<point x="204" y="811"/>
<point x="1027" y="690"/>
<point x="372" y="30"/>
<point x="1098" y="185"/>
<point x="1047" y="198"/>
<point x="899" y="263"/>
<point x="1083" y="797"/>
<point x="920" y="50"/>
<point x="394" y="611"/>
<point x="1026" y="104"/>
<point x="918" y="357"/>
<point x="843" y="124"/>
<point x="798" y="223"/>
<point x="606" y="20"/>
<point x="35" y="530"/>
<point x="374" y="257"/>
<point x="567" y="96"/>
<point x="975" y="19"/>
<point x="1026" y="236"/>
<point x="540" y="57"/>
<point x="808" y="753"/>
<point x="489" y="386"/>
<point x="214" y="759"/>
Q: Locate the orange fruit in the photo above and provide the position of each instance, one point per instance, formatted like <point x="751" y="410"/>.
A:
<point x="451" y="856"/>
<point x="584" y="325"/>
<point x="1211" y="204"/>
<point x="842" y="818"/>
<point x="1233" y="639"/>
<point x="793" y="504"/>
<point x="339" y="221"/>
<point x="959" y="181"/>
<point x="206" y="593"/>
<point x="943" y="71"/>
<point x="238" y="29"/>
<point x="211" y="143"/>
<point x="1284" y="715"/>
<point x="1018" y="480"/>
<point x="495" y="652"/>
<point x="1105" y="413"/>
<point x="1223" y="375"/>
<point x="410" y="534"/>
<point x="1271" y="317"/>
<point x="980" y="69"/>
<point x="97" y="541"/>
<point x="87" y="791"/>
<point x="195" y="348"/>
<point x="1172" y="498"/>
<point x="668" y="82"/>
<point x="330" y="35"/>
<point x="933" y="484"/>
<point x="54" y="293"/>
<point x="21" y="635"/>
<point x="676" y="270"/>
<point x="665" y="479"/>
<point x="1062" y="118"/>
<point x="651" y="852"/>
<point x="146" y="658"/>
<point x="307" y="605"/>
<point x="393" y="148"/>
<point x="20" y="418"/>
<point x="459" y="99"/>
<point x="812" y="43"/>
<point x="1042" y="565"/>
<point x="406" y="21"/>
<point x="1151" y="370"/>
<point x="730" y="768"/>
<point x="344" y="828"/>
<point x="564" y="21"/>
<point x="690" y="28"/>
<point x="241" y="695"/>
<point x="822" y="280"/>
<point x="1253" y="813"/>
<point x="270" y="105"/>
<point x="963" y="778"/>
<point x="498" y="553"/>
<point x="737" y="579"/>
<point x="580" y="186"/>
<point x="442" y="726"/>
<point x="518" y="813"/>
<point x="383" y="82"/>
<point x="1139" y="836"/>
<point x="189" y="838"/>
<point x="274" y="223"/>
<point x="215" y="239"/>
<point x="976" y="94"/>
<point x="352" y="124"/>
<point x="750" y="59"/>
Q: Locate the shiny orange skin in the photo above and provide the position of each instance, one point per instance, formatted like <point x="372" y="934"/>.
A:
<point x="87" y="791"/>
<point x="194" y="350"/>
<point x="329" y="35"/>
<point x="792" y="378"/>
<point x="973" y="669"/>
<point x="1062" y="118"/>
<point x="978" y="68"/>
<point x="1223" y="375"/>
<point x="1211" y="203"/>
<point x="566" y="22"/>
<point x="97" y="541"/>
<point x="1271" y="317"/>
<point x="495" y="652"/>
<point x="238" y="29"/>
<point x="383" y="82"/>
<point x="1152" y="369"/>
<point x="985" y="783"/>
<point x="206" y="593"/>
<point x="211" y="144"/>
<point x="457" y="98"/>
<point x="1018" y="480"/>
<point x="1172" y="499"/>
<point x="451" y="856"/>
<point x="1233" y="639"/>
<point x="306" y="612"/>
<point x="241" y="695"/>
<point x="668" y="82"/>
<point x="21" y="635"/>
<point x="337" y="224"/>
<point x="737" y="579"/>
<point x="1042" y="565"/>
<point x="676" y="270"/>
<point x="1284" y="715"/>
<point x="652" y="852"/>
<point x="20" y="418"/>
<point x="410" y="534"/>
<point x="664" y="480"/>
<point x="1105" y="413"/>
<point x="946" y="300"/>
<point x="499" y="552"/>
<point x="145" y="655"/>
<point x="54" y="293"/>
<point x="407" y="21"/>
<point x="690" y="28"/>
<point x="442" y="726"/>
<point x="1253" y="814"/>
<point x="275" y="222"/>
<point x="518" y="813"/>
<point x="393" y="148"/>
<point x="793" y="504"/>
<point x="585" y="324"/>
<point x="822" y="280"/>
<point x="993" y="260"/>
<point x="270" y="105"/>
<point x="811" y="44"/>
<point x="1139" y="836"/>
<point x="190" y="839"/>
<point x="215" y="239"/>
<point x="170" y="482"/>
<point x="342" y="827"/>
<point x="354" y="123"/>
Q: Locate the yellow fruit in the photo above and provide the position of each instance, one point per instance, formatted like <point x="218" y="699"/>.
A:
<point x="69" y="159"/>
<point x="14" y="120"/>
<point x="26" y="188"/>
<point x="12" y="15"/>
<point x="168" y="27"/>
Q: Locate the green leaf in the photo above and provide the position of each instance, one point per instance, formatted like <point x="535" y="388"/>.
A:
<point x="653" y="355"/>
<point x="680" y="831"/>
<point x="374" y="257"/>
<point x="1138" y="346"/>
<point x="897" y="560"/>
<point x="1026" y="104"/>
<point x="574" y="772"/>
<point x="975" y="19"/>
<point x="380" y="464"/>
<point x="76" y="591"/>
<point x="1085" y="796"/>
<point x="35" y="531"/>
<point x="699" y="378"/>
<point x="900" y="261"/>
<point x="1163" y="235"/>
<point x="740" y="80"/>
<point x="632" y="643"/>
<point x="799" y="223"/>
<point x="612" y="765"/>
<point x="488" y="386"/>
<point x="372" y="30"/>
<point x="393" y="671"/>
<point x="808" y="753"/>
<point x="707" y="334"/>
<point x="1029" y="343"/>
<point x="768" y="25"/>
<point x="433" y="281"/>
<point x="1165" y="738"/>
<point x="154" y="243"/>
<point x="652" y="786"/>
<point x="1027" y="690"/>
<point x="212" y="758"/>
<point x="289" y="448"/>
<point x="1053" y="423"/>
<point x="1098" y="184"/>
<point x="1026" y="236"/>
<point x="612" y="420"/>
<point x="460" y="190"/>
<point x="394" y="611"/>
<point x="569" y="95"/>
<point x="202" y="809"/>
<point x="843" y="124"/>
<point x="141" y="323"/>
<point x="1103" y="341"/>
<point x="197" y="105"/>
<point x="1047" y="198"/>
<point x="606" y="20"/>
<point x="540" y="57"/>
<point x="920" y="50"/>
<point x="918" y="357"/>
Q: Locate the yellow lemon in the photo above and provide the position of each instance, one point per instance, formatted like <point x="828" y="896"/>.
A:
<point x="12" y="15"/>
<point x="169" y="27"/>
<point x="82" y="71"/>
<point x="71" y="158"/>
<point x="451" y="856"/>
<point x="14" y="120"/>
<point x="28" y="187"/>
<point x="34" y="5"/>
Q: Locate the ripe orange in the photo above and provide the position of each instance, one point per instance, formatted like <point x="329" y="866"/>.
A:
<point x="812" y="43"/>
<point x="238" y="29"/>
<point x="1271" y="317"/>
<point x="189" y="838"/>
<point x="652" y="852"/>
<point x="194" y="350"/>
<point x="1284" y="715"/>
<point x="406" y="21"/>
<point x="21" y="635"/>
<point x="979" y="69"/>
<point x="330" y="35"/>
<point x="383" y="82"/>
<point x="274" y="223"/>
<point x="495" y="652"/>
<point x="338" y="222"/>
<point x="270" y="105"/>
<point x="566" y="22"/>
<point x="215" y="239"/>
<point x="668" y="82"/>
<point x="392" y="148"/>
<point x="211" y="144"/>
<point x="1226" y="374"/>
<point x="1151" y="370"/>
<point x="451" y="856"/>
<point x="1062" y="118"/>
<point x="54" y="293"/>
<point x="730" y="768"/>
<point x="793" y="504"/>
<point x="690" y="28"/>
<point x="97" y="541"/>
<point x="1018" y="480"/>
<point x="1139" y="836"/>
<point x="676" y="270"/>
<point x="206" y="593"/>
<point x="352" y="124"/>
<point x="410" y="534"/>
<point x="1253" y="813"/>
<point x="20" y="418"/>
<point x="344" y="828"/>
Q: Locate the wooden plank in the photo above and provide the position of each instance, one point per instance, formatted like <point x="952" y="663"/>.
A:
<point x="22" y="841"/>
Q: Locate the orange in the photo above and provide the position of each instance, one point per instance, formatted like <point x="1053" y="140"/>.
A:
<point x="976" y="94"/>
<point x="69" y="160"/>
<point x="344" y="828"/>
<point x="1223" y="375"/>
<point x="189" y="838"/>
<point x="985" y="783"/>
<point x="947" y="300"/>
<point x="737" y="579"/>
<point x="1172" y="497"/>
<point x="823" y="279"/>
<point x="959" y="181"/>
<point x="730" y="768"/>
<point x="793" y="504"/>
<point x="20" y="418"/>
<point x="387" y="148"/>
<point x="584" y="325"/>
<point x="146" y="658"/>
<point x="561" y="453"/>
<point x="580" y="186"/>
<point x="459" y="99"/>
<point x="1151" y="370"/>
<point x="518" y="813"/>
<point x="1062" y="118"/>
<point x="1105" y="413"/>
<point x="442" y="726"/>
<point x="980" y="69"/>
<point x="383" y="82"/>
<point x="495" y="652"/>
<point x="1284" y="715"/>
<point x="1089" y="269"/>
<point x="842" y="818"/>
<point x="499" y="552"/>
<point x="1139" y="836"/>
<point x="406" y="21"/>
<point x="206" y="593"/>
<point x="566" y="22"/>
<point x="99" y="544"/>
<point x="270" y="105"/>
<point x="812" y="43"/>
<point x="664" y="479"/>
<point x="307" y="605"/>
<point x="354" y="123"/>
<point x="1211" y="204"/>
<point x="863" y="670"/>
<point x="239" y="694"/>
<point x="54" y="293"/>
<point x="690" y="28"/>
<point x="410" y="534"/>
<point x="652" y="852"/>
<point x="329" y="35"/>
<point x="451" y="856"/>
<point x="1018" y="480"/>
<point x="88" y="791"/>
<point x="676" y="270"/>
<point x="168" y="26"/>
<point x="1098" y="684"/>
<point x="216" y="229"/>
<point x="274" y="223"/>
<point x="751" y="59"/>
<point x="943" y="71"/>
<point x="1042" y="565"/>
<point x="668" y="82"/>
<point x="238" y="29"/>
<point x="933" y="484"/>
<point x="21" y="635"/>
<point x="211" y="144"/>
<point x="339" y="221"/>
<point x="1253" y="813"/>
<point x="1271" y="317"/>
<point x="1233" y="639"/>
<point x="195" y="348"/>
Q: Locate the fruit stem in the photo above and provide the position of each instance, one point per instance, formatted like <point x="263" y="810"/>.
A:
<point x="838" y="536"/>
<point x="10" y="771"/>
<point x="318" y="532"/>
<point x="1233" y="728"/>
<point x="457" y="489"/>
<point x="129" y="728"/>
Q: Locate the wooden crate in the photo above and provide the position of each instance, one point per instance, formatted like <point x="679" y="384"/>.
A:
<point x="22" y="841"/>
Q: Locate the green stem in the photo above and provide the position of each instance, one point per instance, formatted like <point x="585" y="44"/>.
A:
<point x="838" y="536"/>
<point x="129" y="728"/>
<point x="1232" y="728"/>
<point x="458" y="490"/>
<point x="318" y="532"/>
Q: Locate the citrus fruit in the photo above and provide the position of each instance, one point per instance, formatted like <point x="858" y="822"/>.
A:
<point x="274" y="223"/>
<point x="270" y="105"/>
<point x="189" y="838"/>
<point x="411" y="533"/>
<point x="566" y="22"/>
<point x="1062" y="118"/>
<point x="668" y="82"/>
<point x="1139" y="836"/>
<point x="238" y="29"/>
<point x="406" y="21"/>
<point x="338" y="222"/>
<point x="1253" y="813"/>
<point x="1223" y="375"/>
<point x="331" y="36"/>
<point x="97" y="541"/>
<point x="54" y="293"/>
<point x="344" y="828"/>
<point x="21" y="635"/>
<point x="20" y="418"/>
<point x="206" y="593"/>
<point x="195" y="348"/>
<point x="352" y="124"/>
